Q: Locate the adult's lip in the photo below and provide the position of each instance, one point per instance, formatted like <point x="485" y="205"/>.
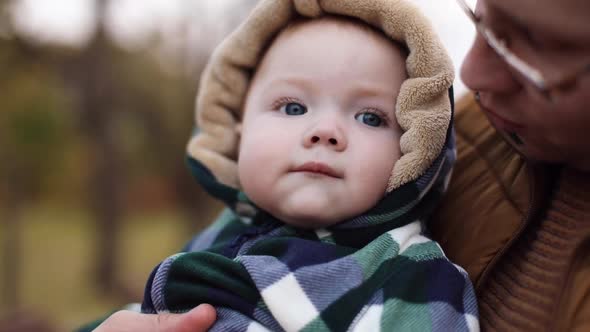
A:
<point x="500" y="122"/>
<point x="318" y="168"/>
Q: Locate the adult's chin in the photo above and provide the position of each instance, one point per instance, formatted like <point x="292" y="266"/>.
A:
<point x="535" y="149"/>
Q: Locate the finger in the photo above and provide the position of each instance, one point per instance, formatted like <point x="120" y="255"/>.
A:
<point x="128" y="321"/>
<point x="198" y="319"/>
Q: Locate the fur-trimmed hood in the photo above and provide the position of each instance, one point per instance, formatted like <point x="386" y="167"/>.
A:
<point x="423" y="108"/>
<point x="375" y="271"/>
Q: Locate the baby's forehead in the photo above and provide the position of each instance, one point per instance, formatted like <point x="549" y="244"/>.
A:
<point x="307" y="26"/>
<point x="305" y="41"/>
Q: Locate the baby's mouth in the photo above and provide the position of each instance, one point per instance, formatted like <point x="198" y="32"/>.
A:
<point x="318" y="168"/>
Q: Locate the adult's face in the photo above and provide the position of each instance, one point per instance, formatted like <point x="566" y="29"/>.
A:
<point x="554" y="36"/>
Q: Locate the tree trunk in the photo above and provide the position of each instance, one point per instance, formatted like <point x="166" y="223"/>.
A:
<point x="105" y="185"/>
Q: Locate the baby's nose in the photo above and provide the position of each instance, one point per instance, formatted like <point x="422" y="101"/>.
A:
<point x="329" y="136"/>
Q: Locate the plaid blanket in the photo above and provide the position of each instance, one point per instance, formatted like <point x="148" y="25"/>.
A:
<point x="378" y="271"/>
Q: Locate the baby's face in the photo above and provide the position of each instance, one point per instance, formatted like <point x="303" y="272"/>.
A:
<point x="319" y="136"/>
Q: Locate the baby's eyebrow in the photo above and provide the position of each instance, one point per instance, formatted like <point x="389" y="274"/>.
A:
<point x="300" y="82"/>
<point x="371" y="90"/>
<point x="290" y="81"/>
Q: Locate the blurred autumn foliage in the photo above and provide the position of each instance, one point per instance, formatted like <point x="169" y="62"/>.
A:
<point x="100" y="128"/>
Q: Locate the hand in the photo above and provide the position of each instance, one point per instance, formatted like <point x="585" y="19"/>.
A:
<point x="199" y="319"/>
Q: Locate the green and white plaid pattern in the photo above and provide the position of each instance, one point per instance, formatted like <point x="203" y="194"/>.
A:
<point x="374" y="272"/>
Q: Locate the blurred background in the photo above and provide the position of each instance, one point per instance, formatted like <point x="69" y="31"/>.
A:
<point x="96" y="106"/>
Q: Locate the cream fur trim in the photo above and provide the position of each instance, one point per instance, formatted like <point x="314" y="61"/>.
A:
<point x="423" y="108"/>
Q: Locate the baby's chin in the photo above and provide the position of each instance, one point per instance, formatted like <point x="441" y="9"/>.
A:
<point x="308" y="219"/>
<point x="309" y="207"/>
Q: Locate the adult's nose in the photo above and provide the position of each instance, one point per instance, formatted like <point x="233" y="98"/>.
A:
<point x="328" y="133"/>
<point x="484" y="70"/>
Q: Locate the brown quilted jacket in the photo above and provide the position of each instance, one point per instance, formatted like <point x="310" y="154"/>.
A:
<point x="521" y="231"/>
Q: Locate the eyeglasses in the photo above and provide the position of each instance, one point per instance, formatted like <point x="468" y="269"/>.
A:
<point x="549" y="84"/>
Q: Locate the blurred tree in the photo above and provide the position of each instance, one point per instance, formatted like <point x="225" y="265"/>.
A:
<point x="5" y="26"/>
<point x="98" y="92"/>
<point x="133" y="115"/>
<point x="34" y="131"/>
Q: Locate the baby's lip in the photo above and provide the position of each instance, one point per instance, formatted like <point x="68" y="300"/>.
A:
<point x="318" y="168"/>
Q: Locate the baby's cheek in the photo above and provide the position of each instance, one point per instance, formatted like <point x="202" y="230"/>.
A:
<point x="254" y="170"/>
<point x="246" y="172"/>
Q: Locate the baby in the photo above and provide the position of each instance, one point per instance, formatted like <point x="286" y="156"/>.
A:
<point x="325" y="126"/>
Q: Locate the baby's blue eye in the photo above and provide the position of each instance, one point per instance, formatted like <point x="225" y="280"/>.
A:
<point x="293" y="109"/>
<point x="369" y="119"/>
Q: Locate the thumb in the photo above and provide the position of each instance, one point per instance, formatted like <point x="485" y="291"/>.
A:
<point x="198" y="319"/>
